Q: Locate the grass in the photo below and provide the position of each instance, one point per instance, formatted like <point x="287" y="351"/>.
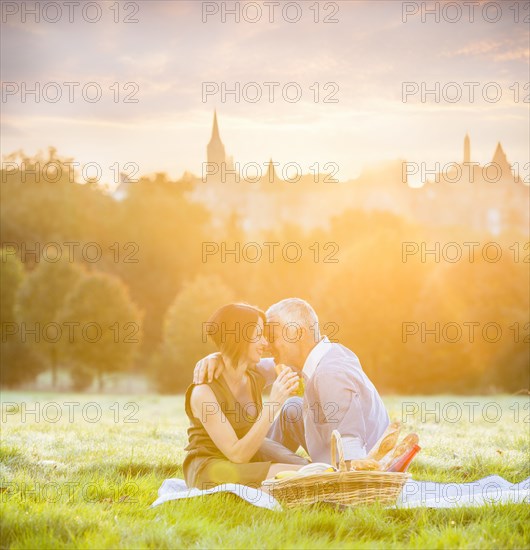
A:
<point x="89" y="483"/>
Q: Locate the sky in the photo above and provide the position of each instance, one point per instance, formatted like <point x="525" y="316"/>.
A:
<point x="361" y="57"/>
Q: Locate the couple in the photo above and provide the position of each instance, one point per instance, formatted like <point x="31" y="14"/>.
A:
<point x="235" y="437"/>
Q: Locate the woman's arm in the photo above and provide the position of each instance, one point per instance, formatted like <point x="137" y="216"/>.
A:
<point x="206" y="408"/>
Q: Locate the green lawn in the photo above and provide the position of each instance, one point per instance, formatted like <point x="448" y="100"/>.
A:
<point x="86" y="484"/>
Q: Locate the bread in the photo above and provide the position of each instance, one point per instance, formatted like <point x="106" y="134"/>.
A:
<point x="404" y="447"/>
<point x="386" y="442"/>
<point x="281" y="367"/>
<point x="365" y="464"/>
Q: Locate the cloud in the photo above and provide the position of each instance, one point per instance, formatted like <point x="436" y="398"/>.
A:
<point x="522" y="53"/>
<point x="508" y="49"/>
<point x="170" y="52"/>
<point x="477" y="48"/>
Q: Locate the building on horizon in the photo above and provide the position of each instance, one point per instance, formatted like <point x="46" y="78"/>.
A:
<point x="489" y="198"/>
<point x="484" y="198"/>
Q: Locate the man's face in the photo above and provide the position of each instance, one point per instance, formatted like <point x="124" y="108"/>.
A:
<point x="284" y="344"/>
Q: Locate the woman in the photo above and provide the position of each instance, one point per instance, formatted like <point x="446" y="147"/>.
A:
<point x="229" y="422"/>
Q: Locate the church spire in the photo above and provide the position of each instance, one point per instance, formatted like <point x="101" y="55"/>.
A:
<point x="499" y="153"/>
<point x="271" y="172"/>
<point x="215" y="128"/>
<point x="500" y="160"/>
<point x="499" y="157"/>
<point x="215" y="153"/>
<point x="467" y="149"/>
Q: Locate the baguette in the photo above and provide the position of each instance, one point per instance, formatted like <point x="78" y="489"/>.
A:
<point x="404" y="447"/>
<point x="386" y="442"/>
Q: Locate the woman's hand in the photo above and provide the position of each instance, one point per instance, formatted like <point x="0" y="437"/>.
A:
<point x="286" y="383"/>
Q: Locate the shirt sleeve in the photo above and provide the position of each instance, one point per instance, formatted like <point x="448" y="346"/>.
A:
<point x="340" y="403"/>
<point x="266" y="369"/>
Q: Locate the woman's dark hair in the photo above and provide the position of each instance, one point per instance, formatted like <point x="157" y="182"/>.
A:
<point x="232" y="327"/>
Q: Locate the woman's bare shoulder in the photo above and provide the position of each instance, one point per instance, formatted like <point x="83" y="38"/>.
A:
<point x="200" y="395"/>
<point x="201" y="391"/>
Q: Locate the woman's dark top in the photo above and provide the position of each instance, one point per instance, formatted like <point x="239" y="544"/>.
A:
<point x="205" y="465"/>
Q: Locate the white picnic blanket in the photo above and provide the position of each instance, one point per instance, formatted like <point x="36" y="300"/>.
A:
<point x="489" y="490"/>
<point x="173" y="489"/>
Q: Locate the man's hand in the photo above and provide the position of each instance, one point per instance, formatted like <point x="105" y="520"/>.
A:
<point x="208" y="368"/>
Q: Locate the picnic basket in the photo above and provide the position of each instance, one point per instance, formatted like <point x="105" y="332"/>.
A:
<point x="350" y="488"/>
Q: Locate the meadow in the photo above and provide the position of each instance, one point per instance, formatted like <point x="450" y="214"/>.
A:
<point x="80" y="471"/>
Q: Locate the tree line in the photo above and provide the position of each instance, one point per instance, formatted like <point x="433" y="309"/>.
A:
<point x="93" y="286"/>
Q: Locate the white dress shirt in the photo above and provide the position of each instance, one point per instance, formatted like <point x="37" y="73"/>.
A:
<point x="338" y="396"/>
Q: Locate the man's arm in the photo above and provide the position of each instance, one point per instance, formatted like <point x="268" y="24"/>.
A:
<point x="208" y="368"/>
<point x="212" y="365"/>
<point x="340" y="402"/>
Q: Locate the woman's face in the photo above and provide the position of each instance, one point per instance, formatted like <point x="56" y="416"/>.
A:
<point x="256" y="341"/>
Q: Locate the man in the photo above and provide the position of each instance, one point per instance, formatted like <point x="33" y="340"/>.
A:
<point x="338" y="394"/>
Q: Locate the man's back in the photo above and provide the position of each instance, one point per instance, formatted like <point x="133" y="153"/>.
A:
<point x="340" y="396"/>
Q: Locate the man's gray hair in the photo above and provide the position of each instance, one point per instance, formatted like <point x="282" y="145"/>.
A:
<point x="295" y="310"/>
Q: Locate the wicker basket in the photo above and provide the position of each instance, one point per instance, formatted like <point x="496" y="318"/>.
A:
<point x="351" y="488"/>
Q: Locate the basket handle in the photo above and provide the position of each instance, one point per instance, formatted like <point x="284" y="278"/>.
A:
<point x="336" y="443"/>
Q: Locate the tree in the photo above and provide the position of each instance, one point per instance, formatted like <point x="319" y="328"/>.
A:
<point x="164" y="230"/>
<point x="39" y="299"/>
<point x="11" y="277"/>
<point x="18" y="363"/>
<point x="370" y="293"/>
<point x="185" y="341"/>
<point x="482" y="307"/>
<point x="42" y="202"/>
<point x="106" y="323"/>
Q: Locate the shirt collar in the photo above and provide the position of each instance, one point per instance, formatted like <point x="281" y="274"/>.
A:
<point x="314" y="357"/>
